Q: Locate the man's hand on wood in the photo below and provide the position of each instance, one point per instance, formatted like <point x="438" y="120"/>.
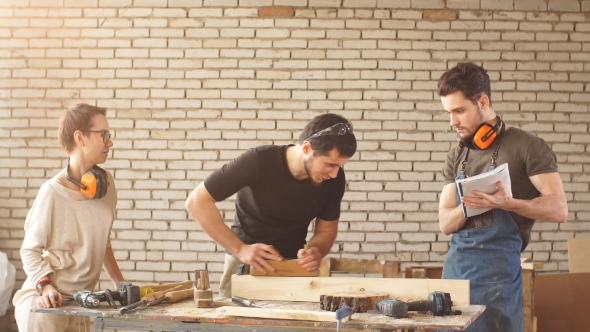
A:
<point x="309" y="258"/>
<point x="256" y="255"/>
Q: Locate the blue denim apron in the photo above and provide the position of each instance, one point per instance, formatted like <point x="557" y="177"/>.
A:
<point x="488" y="255"/>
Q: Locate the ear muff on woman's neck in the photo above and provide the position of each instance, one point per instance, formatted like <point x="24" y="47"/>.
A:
<point x="484" y="136"/>
<point x="93" y="184"/>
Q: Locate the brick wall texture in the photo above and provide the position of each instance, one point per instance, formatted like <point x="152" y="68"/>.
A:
<point x="191" y="84"/>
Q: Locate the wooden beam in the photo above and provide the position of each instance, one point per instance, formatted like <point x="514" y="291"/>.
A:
<point x="309" y="289"/>
<point x="318" y="316"/>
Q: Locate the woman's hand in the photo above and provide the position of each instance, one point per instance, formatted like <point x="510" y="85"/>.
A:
<point x="50" y="297"/>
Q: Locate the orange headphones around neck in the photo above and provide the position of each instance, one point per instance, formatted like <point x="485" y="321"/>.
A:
<point x="94" y="183"/>
<point x="484" y="136"/>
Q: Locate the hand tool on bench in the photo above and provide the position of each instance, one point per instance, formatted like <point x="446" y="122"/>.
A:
<point x="184" y="285"/>
<point x="244" y="302"/>
<point x="340" y="314"/>
<point x="438" y="304"/>
<point x="148" y="298"/>
<point x="174" y="296"/>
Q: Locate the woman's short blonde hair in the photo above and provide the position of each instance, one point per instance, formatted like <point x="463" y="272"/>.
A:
<point x="78" y="117"/>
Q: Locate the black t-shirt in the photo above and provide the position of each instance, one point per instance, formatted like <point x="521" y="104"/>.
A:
<point x="272" y="206"/>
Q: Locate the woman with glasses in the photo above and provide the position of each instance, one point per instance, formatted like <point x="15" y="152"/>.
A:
<point x="67" y="229"/>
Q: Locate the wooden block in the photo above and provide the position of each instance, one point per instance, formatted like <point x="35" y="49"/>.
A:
<point x="203" y="298"/>
<point x="578" y="251"/>
<point x="318" y="316"/>
<point x="287" y="268"/>
<point x="430" y="272"/>
<point x="202" y="279"/>
<point x="309" y="289"/>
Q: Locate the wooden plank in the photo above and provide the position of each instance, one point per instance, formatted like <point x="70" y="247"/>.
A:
<point x="316" y="316"/>
<point x="562" y="302"/>
<point x="287" y="268"/>
<point x="578" y="250"/>
<point x="527" y="299"/>
<point x="310" y="288"/>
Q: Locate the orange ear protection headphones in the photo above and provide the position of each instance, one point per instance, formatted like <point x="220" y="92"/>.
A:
<point x="94" y="184"/>
<point x="484" y="136"/>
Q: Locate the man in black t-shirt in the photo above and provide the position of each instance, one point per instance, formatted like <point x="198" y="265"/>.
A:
<point x="280" y="190"/>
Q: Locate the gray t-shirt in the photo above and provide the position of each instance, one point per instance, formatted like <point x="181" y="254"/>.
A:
<point x="526" y="154"/>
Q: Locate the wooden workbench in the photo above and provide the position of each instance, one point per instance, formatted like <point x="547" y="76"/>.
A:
<point x="186" y="317"/>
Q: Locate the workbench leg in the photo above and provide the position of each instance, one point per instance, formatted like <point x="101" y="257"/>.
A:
<point x="98" y="324"/>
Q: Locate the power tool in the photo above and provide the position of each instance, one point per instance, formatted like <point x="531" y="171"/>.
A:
<point x="126" y="294"/>
<point x="438" y="304"/>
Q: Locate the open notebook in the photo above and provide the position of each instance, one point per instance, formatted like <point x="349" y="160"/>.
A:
<point x="486" y="183"/>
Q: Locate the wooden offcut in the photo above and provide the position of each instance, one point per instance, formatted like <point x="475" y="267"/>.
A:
<point x="357" y="301"/>
<point x="287" y="268"/>
<point x="310" y="288"/>
<point x="430" y="272"/>
<point x="578" y="250"/>
<point x="203" y="295"/>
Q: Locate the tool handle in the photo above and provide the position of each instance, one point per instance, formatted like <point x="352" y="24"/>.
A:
<point x="167" y="287"/>
<point x="179" y="295"/>
<point x="424" y="305"/>
<point x="392" y="308"/>
<point x="158" y="295"/>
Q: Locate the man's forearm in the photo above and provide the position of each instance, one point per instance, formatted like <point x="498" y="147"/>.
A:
<point x="323" y="241"/>
<point x="546" y="208"/>
<point x="451" y="219"/>
<point x="206" y="214"/>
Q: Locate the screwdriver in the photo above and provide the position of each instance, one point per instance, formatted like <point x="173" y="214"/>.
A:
<point x="244" y="302"/>
<point x="147" y="299"/>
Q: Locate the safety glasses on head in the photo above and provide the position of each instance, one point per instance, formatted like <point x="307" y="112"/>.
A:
<point x="337" y="129"/>
<point x="105" y="134"/>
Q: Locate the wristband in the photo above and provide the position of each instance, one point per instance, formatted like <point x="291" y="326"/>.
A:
<point x="41" y="283"/>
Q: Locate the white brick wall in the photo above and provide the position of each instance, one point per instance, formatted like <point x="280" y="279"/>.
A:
<point x="191" y="84"/>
